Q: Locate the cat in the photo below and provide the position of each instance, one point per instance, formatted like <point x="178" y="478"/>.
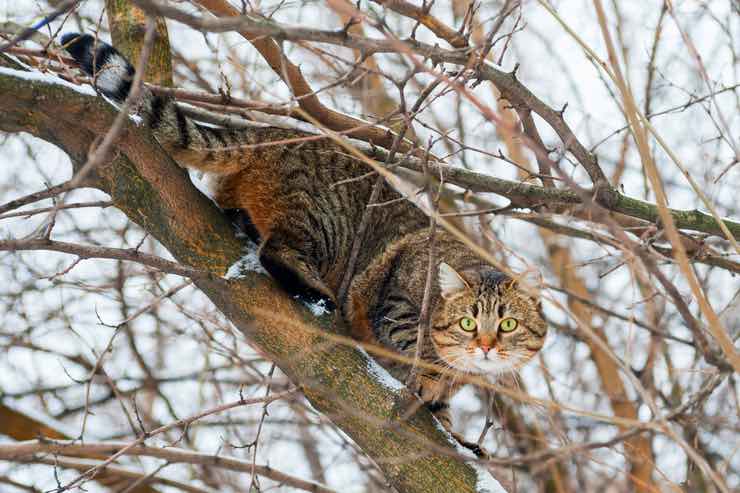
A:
<point x="304" y="202"/>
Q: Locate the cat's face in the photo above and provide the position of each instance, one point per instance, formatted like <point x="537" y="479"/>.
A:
<point x="484" y="323"/>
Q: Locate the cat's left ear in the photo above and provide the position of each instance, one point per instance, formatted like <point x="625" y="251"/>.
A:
<point x="450" y="281"/>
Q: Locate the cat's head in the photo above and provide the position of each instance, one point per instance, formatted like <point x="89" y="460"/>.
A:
<point x="486" y="322"/>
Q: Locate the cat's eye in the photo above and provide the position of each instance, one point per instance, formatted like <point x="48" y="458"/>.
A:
<point x="468" y="324"/>
<point x="508" y="324"/>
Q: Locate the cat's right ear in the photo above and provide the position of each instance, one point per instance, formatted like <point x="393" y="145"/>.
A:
<point x="450" y="281"/>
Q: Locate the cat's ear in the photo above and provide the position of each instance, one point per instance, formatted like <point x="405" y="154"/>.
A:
<point x="450" y="282"/>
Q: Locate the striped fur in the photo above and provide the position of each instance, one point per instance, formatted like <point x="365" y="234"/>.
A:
<point x="306" y="222"/>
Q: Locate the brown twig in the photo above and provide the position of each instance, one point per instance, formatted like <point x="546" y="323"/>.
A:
<point x="89" y="252"/>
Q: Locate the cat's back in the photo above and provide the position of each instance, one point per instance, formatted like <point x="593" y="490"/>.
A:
<point x="314" y="188"/>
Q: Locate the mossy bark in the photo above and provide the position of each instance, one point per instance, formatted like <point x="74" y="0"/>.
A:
<point x="128" y="26"/>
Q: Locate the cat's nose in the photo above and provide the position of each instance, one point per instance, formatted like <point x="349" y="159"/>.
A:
<point x="485" y="343"/>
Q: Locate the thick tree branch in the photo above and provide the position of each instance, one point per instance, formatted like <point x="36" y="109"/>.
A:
<point x="128" y="26"/>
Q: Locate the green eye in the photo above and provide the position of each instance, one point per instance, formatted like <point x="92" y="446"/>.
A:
<point x="468" y="324"/>
<point x="508" y="324"/>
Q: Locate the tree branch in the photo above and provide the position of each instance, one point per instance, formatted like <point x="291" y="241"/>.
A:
<point x="20" y="426"/>
<point x="91" y="251"/>
<point x="525" y="195"/>
<point x="29" y="451"/>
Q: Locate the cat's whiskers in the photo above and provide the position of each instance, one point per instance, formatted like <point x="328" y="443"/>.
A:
<point x="516" y="381"/>
<point x="464" y="358"/>
<point x="521" y="357"/>
<point x="451" y="363"/>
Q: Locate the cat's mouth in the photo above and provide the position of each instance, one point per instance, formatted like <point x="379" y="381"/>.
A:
<point x="480" y="363"/>
<point x="495" y="365"/>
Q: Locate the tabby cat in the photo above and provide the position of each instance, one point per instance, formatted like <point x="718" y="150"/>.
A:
<point x="306" y="221"/>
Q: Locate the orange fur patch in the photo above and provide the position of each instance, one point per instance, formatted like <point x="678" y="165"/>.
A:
<point x="252" y="192"/>
<point x="361" y="328"/>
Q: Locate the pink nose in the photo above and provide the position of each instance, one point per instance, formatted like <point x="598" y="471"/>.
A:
<point x="485" y="348"/>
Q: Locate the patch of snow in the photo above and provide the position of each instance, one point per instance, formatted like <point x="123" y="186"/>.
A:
<point x="318" y="308"/>
<point x="464" y="452"/>
<point x="47" y="79"/>
<point x="493" y="65"/>
<point x="381" y="373"/>
<point x="21" y="62"/>
<point x="249" y="262"/>
<point x="485" y="482"/>
<point x="110" y="101"/>
<point x="206" y="183"/>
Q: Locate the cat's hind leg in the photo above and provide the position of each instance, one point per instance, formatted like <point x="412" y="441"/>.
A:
<point x="294" y="269"/>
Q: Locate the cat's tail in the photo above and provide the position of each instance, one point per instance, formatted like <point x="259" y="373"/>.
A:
<point x="190" y="144"/>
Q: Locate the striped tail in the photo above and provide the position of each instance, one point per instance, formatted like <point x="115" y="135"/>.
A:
<point x="192" y="145"/>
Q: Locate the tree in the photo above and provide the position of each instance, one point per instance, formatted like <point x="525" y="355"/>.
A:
<point x="647" y="367"/>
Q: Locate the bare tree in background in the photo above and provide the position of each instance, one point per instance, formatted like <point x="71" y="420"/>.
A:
<point x="597" y="142"/>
